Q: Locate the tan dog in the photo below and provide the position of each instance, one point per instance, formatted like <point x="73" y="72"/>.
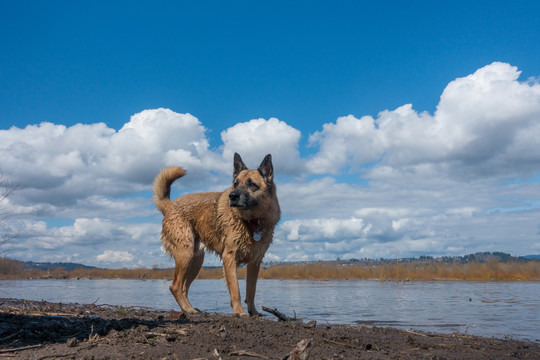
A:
<point x="237" y="224"/>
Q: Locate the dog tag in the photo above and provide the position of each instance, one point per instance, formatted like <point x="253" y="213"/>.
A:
<point x="257" y="236"/>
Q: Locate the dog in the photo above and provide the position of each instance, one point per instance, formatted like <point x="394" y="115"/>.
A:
<point x="236" y="224"/>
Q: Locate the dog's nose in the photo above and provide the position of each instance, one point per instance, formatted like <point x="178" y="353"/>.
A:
<point x="234" y="196"/>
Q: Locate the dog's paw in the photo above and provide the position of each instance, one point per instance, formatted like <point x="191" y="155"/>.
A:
<point x="240" y="314"/>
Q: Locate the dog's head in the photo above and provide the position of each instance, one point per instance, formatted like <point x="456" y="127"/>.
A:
<point x="252" y="188"/>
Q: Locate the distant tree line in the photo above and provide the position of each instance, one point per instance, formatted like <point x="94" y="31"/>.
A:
<point x="477" y="257"/>
<point x="481" y="267"/>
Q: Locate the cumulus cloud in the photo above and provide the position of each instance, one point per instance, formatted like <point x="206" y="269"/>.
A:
<point x="323" y="229"/>
<point x="49" y="155"/>
<point x="256" y="138"/>
<point x="64" y="166"/>
<point x="84" y="240"/>
<point x="110" y="256"/>
<point x="59" y="165"/>
<point x="405" y="219"/>
<point x="348" y="141"/>
<point x="383" y="234"/>
<point x="460" y="180"/>
<point x="84" y="232"/>
<point x="486" y="124"/>
<point x="95" y="179"/>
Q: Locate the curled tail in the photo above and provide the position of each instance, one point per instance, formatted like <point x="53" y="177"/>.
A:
<point x="162" y="186"/>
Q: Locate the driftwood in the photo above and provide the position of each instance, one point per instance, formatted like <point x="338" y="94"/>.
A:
<point x="279" y="315"/>
<point x="300" y="352"/>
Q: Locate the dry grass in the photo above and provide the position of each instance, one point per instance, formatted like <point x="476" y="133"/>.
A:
<point x="491" y="270"/>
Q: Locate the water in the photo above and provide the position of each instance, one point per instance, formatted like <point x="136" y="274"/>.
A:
<point x="494" y="309"/>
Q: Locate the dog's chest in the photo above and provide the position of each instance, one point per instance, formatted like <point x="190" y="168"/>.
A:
<point x="250" y="250"/>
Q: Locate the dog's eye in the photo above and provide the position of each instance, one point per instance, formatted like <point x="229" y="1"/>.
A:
<point x="252" y="185"/>
<point x="235" y="184"/>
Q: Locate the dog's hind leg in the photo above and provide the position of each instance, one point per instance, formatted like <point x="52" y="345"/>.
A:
<point x="193" y="269"/>
<point x="184" y="256"/>
<point x="178" y="288"/>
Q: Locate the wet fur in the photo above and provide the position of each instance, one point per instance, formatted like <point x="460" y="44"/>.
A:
<point x="222" y="222"/>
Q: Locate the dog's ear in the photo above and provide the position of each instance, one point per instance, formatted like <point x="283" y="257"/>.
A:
<point x="266" y="169"/>
<point x="238" y="165"/>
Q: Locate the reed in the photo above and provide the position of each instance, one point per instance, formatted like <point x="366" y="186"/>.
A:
<point x="416" y="270"/>
<point x="491" y="270"/>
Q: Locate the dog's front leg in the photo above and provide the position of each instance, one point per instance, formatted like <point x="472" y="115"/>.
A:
<point x="229" y="267"/>
<point x="251" y="286"/>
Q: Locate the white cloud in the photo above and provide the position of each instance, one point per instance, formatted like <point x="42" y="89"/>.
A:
<point x="486" y="124"/>
<point x="456" y="181"/>
<point x="88" y="237"/>
<point x="349" y="141"/>
<point x="406" y="219"/>
<point x="95" y="157"/>
<point x="110" y="256"/>
<point x="319" y="229"/>
<point x="256" y="138"/>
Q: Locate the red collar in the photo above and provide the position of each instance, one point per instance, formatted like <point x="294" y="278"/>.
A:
<point x="254" y="224"/>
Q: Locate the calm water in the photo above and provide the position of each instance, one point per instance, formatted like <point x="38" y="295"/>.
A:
<point x="492" y="309"/>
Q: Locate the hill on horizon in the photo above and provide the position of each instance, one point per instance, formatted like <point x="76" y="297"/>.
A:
<point x="31" y="265"/>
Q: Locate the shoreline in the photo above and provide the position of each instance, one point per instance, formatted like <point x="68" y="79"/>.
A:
<point x="535" y="280"/>
<point x="39" y="329"/>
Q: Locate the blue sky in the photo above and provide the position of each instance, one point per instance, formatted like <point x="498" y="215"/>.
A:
<point x="302" y="62"/>
<point x="323" y="87"/>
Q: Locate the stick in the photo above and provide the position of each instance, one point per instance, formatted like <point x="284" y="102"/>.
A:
<point x="247" y="353"/>
<point x="280" y="316"/>
<point x="20" y="349"/>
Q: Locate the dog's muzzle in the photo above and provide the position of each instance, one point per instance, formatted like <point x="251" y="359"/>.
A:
<point x="235" y="199"/>
<point x="242" y="200"/>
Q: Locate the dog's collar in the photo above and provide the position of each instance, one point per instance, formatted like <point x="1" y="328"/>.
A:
<point x="254" y="224"/>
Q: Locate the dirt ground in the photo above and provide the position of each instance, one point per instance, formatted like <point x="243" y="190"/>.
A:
<point x="42" y="330"/>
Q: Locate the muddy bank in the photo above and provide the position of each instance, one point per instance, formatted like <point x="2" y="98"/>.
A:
<point x="42" y="330"/>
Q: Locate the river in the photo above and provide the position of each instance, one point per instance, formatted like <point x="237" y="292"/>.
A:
<point x="491" y="309"/>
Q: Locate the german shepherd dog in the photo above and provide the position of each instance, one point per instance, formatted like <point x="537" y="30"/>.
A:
<point x="237" y="224"/>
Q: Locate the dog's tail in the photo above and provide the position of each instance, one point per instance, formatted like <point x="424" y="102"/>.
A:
<point x="162" y="186"/>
